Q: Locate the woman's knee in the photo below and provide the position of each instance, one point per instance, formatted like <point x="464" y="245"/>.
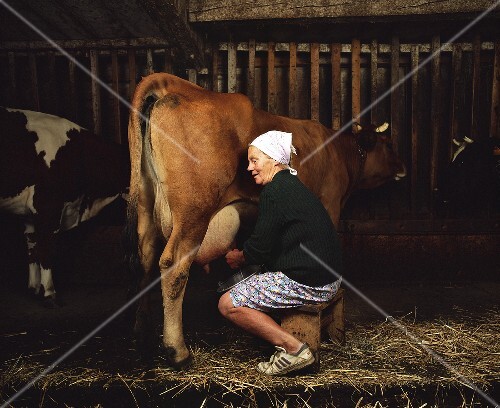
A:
<point x="225" y="304"/>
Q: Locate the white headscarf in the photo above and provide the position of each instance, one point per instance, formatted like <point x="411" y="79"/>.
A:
<point x="278" y="146"/>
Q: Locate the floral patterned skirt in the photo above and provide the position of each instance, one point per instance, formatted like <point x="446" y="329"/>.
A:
<point x="274" y="290"/>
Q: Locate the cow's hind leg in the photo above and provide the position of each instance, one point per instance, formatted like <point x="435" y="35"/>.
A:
<point x="40" y="278"/>
<point x="148" y="249"/>
<point x="34" y="281"/>
<point x="175" y="263"/>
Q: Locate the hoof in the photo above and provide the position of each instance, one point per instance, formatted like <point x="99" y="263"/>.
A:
<point x="168" y="354"/>
<point x="51" y="302"/>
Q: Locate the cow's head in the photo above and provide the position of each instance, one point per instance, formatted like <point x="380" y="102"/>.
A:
<point x="382" y="163"/>
<point x="470" y="183"/>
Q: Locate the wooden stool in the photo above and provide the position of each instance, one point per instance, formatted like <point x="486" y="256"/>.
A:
<point x="307" y="322"/>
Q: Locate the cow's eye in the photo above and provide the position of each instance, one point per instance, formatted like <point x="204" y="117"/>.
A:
<point x="389" y="145"/>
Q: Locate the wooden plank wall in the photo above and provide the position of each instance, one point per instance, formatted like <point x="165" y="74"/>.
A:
<point x="430" y="93"/>
<point x="447" y="91"/>
<point x="55" y="83"/>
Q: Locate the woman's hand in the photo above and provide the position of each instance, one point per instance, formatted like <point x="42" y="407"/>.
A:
<point x="235" y="258"/>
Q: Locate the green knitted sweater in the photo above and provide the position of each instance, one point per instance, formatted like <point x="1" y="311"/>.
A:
<point x="291" y="215"/>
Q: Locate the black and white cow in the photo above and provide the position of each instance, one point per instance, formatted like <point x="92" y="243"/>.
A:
<point x="470" y="185"/>
<point x="54" y="175"/>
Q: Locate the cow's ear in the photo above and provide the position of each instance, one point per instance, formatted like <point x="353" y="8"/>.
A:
<point x="367" y="140"/>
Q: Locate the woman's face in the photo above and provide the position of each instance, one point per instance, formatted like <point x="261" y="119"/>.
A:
<point x="263" y="168"/>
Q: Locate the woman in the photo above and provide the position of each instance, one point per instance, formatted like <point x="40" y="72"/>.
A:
<point x="289" y="216"/>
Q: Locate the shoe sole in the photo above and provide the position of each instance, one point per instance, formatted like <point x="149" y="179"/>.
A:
<point x="287" y="370"/>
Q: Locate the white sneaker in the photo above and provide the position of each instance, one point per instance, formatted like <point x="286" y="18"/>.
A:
<point x="281" y="362"/>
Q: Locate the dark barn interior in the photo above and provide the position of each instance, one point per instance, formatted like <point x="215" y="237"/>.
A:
<point x="429" y="69"/>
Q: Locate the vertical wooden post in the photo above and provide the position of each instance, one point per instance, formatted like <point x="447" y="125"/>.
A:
<point x="495" y="95"/>
<point x="271" y="78"/>
<point x="314" y="53"/>
<point x="53" y="105"/>
<point x="476" y="83"/>
<point x="414" y="127"/>
<point x="192" y="76"/>
<point x="34" y="81"/>
<point x="132" y="72"/>
<point x="168" y="66"/>
<point x="336" y="86"/>
<point x="231" y="67"/>
<point x="12" y="79"/>
<point x="96" y="94"/>
<point x="149" y="61"/>
<point x="117" y="137"/>
<point x="215" y="68"/>
<point x="395" y="93"/>
<point x="356" y="79"/>
<point x="435" y="113"/>
<point x="72" y="90"/>
<point x="251" y="70"/>
<point x="456" y="98"/>
<point x="373" y="80"/>
<point x="292" y="81"/>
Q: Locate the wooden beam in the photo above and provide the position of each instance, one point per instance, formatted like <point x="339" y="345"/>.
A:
<point x="96" y="92"/>
<point x="314" y="55"/>
<point x="414" y="128"/>
<point x="227" y="10"/>
<point x="115" y="80"/>
<point x="456" y="99"/>
<point x="34" y="82"/>
<point x="231" y="67"/>
<point x="72" y="91"/>
<point x="336" y="86"/>
<point x="193" y="76"/>
<point x="472" y="226"/>
<point x="132" y="72"/>
<point x="52" y="89"/>
<point x="373" y="80"/>
<point x="476" y="83"/>
<point x="271" y="79"/>
<point x="215" y="68"/>
<point x="435" y="114"/>
<point x="251" y="70"/>
<point x="102" y="44"/>
<point x="11" y="57"/>
<point x="167" y="61"/>
<point x="149" y="62"/>
<point x="495" y="95"/>
<point x="356" y="79"/>
<point x="292" y="83"/>
<point x="396" y="104"/>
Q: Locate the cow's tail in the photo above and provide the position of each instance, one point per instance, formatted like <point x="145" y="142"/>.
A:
<point x="148" y="91"/>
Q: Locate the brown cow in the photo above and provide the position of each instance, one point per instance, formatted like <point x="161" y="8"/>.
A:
<point x="189" y="184"/>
